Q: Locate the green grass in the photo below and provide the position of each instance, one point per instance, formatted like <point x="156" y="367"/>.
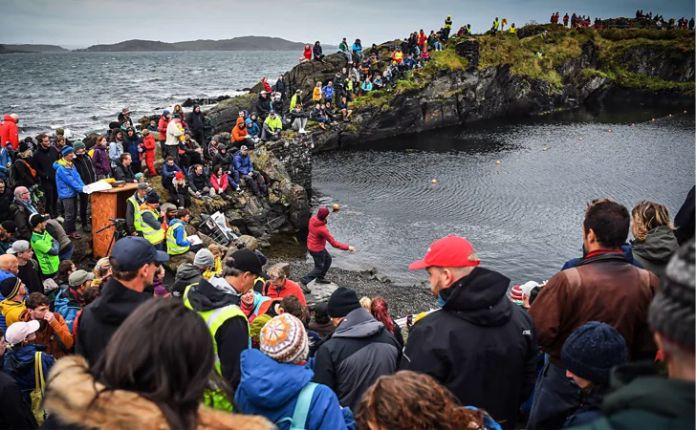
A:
<point x="447" y="59"/>
<point x="629" y="79"/>
<point x="376" y="98"/>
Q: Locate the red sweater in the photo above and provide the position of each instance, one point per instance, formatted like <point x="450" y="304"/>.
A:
<point x="319" y="235"/>
<point x="289" y="288"/>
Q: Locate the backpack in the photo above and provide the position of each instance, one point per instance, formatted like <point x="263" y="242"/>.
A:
<point x="37" y="393"/>
<point x="299" y="416"/>
<point x="68" y="311"/>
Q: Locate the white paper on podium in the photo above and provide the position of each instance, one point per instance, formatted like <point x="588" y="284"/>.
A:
<point x="96" y="186"/>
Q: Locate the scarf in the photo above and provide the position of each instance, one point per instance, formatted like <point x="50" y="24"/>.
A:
<point x="28" y="205"/>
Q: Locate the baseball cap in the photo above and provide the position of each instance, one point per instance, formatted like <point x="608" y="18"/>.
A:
<point x="143" y="186"/>
<point x="449" y="251"/>
<point x="246" y="260"/>
<point x="131" y="253"/>
<point x="19" y="331"/>
<point x="18" y="246"/>
<point x="79" y="277"/>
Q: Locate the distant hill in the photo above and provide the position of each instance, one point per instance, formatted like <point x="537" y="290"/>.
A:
<point x="250" y="43"/>
<point x="9" y="48"/>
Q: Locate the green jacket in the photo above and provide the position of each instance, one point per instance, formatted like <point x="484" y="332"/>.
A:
<point x="46" y="249"/>
<point x="274" y="124"/>
<point x="647" y="402"/>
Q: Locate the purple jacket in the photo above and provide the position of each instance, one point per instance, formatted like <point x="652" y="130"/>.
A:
<point x="102" y="164"/>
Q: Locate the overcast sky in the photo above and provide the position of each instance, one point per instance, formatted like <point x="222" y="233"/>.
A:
<point x="80" y="23"/>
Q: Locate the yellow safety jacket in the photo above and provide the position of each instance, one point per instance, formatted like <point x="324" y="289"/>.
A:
<point x="154" y="236"/>
<point x="172" y="247"/>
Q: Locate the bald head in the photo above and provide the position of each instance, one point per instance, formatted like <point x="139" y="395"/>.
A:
<point x="22" y="193"/>
<point x="9" y="263"/>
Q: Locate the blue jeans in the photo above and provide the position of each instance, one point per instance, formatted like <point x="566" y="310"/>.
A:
<point x="322" y="263"/>
<point x="555" y="397"/>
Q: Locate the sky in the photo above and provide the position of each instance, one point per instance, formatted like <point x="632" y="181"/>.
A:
<point x="80" y="23"/>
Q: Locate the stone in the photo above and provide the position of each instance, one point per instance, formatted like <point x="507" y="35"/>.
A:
<point x="320" y="292"/>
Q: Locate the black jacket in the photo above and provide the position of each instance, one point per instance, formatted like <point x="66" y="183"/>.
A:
<point x="195" y="120"/>
<point x="101" y="318"/>
<point x="22" y="175"/>
<point x="198" y="182"/>
<point x="15" y="412"/>
<point x="123" y="173"/>
<point x="85" y="168"/>
<point x="479" y="345"/>
<point x="20" y="216"/>
<point x="263" y="105"/>
<point x="29" y="274"/>
<point x="43" y="162"/>
<point x="357" y="353"/>
<point x="232" y="337"/>
<point x="6" y="200"/>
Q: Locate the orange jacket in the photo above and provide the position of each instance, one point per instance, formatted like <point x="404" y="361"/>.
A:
<point x="53" y="334"/>
<point x="239" y="134"/>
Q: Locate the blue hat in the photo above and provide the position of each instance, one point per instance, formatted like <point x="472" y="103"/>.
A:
<point x="67" y="150"/>
<point x="166" y="112"/>
<point x="131" y="253"/>
<point x="592" y="350"/>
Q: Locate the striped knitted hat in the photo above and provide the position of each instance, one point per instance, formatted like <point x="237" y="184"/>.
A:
<point x="284" y="339"/>
<point x="516" y="295"/>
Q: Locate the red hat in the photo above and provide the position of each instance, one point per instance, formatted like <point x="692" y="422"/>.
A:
<point x="179" y="176"/>
<point x="516" y="294"/>
<point x="450" y="251"/>
<point x="322" y="213"/>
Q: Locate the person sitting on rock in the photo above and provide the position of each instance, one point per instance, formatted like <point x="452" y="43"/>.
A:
<point x="251" y="178"/>
<point x="190" y="152"/>
<point x="318" y="114"/>
<point x="151" y="220"/>
<point x="296" y="99"/>
<point x="410" y="62"/>
<point x="366" y="86"/>
<point x="169" y="169"/>
<point x="263" y="104"/>
<point x="272" y="127"/>
<point x="122" y="171"/>
<point x="177" y="238"/>
<point x="181" y="193"/>
<point x="342" y="106"/>
<point x="318" y="52"/>
<point x="240" y="136"/>
<point x="199" y="182"/>
<point x="277" y="103"/>
<point x="329" y="111"/>
<point x="253" y="128"/>
<point x="220" y="182"/>
<point x="306" y="54"/>
<point x="298" y="119"/>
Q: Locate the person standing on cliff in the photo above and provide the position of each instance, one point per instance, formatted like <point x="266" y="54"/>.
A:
<point x="316" y="245"/>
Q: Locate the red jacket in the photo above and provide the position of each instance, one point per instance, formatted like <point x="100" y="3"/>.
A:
<point x="289" y="288"/>
<point x="319" y="235"/>
<point x="219" y="184"/>
<point x="308" y="53"/>
<point x="9" y="132"/>
<point x="162" y="127"/>
<point x="149" y="143"/>
<point x="266" y="86"/>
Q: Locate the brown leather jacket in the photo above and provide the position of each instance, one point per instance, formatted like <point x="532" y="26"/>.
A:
<point x="604" y="288"/>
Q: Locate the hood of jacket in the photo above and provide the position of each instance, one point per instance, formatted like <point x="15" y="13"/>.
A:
<point x="358" y="324"/>
<point x="658" y="246"/>
<point x="8" y="118"/>
<point x="174" y="221"/>
<point x="62" y="163"/>
<point x="71" y="395"/>
<point x="479" y="298"/>
<point x="205" y="296"/>
<point x="116" y="302"/>
<point x="186" y="272"/>
<point x="316" y="222"/>
<point x="269" y="384"/>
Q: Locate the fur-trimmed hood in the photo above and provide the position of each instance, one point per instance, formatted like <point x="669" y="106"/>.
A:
<point x="71" y="395"/>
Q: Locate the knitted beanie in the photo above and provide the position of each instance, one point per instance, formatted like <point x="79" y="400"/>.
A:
<point x="515" y="294"/>
<point x="342" y="302"/>
<point x="592" y="350"/>
<point x="672" y="310"/>
<point x="9" y="287"/>
<point x="284" y="339"/>
<point x="322" y="213"/>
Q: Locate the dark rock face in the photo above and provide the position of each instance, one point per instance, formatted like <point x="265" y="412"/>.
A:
<point x="669" y="64"/>
<point x="469" y="49"/>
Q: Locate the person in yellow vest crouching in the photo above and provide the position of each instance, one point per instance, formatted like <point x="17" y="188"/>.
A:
<point x="133" y="216"/>
<point x="217" y="301"/>
<point x="177" y="239"/>
<point x="150" y="225"/>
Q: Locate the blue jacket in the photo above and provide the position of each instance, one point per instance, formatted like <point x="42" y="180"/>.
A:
<point x="68" y="181"/>
<point x="270" y="389"/>
<point x="169" y="172"/>
<point x="243" y="164"/>
<point x="19" y="363"/>
<point x="179" y="233"/>
<point x="67" y="307"/>
<point x="328" y="92"/>
<point x="253" y="128"/>
<point x="5" y="159"/>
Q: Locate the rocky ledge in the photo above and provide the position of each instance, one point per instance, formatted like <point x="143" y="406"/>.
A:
<point x="542" y="69"/>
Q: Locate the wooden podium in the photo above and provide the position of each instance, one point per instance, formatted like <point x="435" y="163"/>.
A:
<point x="107" y="205"/>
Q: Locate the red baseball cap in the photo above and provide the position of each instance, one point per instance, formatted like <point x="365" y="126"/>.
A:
<point x="450" y="251"/>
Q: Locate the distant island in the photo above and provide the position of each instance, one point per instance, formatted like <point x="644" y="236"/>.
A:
<point x="245" y="43"/>
<point x="11" y="49"/>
